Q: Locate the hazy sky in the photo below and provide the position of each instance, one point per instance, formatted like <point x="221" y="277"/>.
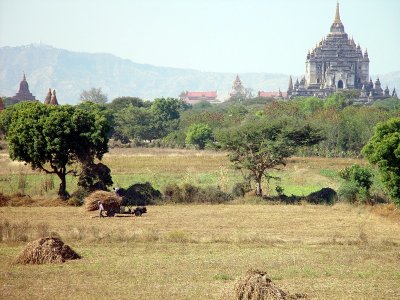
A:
<point x="209" y="35"/>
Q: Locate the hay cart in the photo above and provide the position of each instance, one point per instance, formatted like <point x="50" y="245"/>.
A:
<point x="138" y="211"/>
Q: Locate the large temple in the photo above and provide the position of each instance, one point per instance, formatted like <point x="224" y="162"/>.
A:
<point x="23" y="92"/>
<point x="238" y="91"/>
<point x="337" y="63"/>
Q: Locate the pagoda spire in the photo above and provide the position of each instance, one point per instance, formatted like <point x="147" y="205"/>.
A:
<point x="337" y="25"/>
<point x="290" y="87"/>
<point x="337" y="15"/>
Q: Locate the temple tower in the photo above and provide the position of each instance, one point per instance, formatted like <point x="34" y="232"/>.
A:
<point x="335" y="63"/>
<point x="238" y="90"/>
<point x="53" y="100"/>
<point x="23" y="92"/>
<point x="48" y="97"/>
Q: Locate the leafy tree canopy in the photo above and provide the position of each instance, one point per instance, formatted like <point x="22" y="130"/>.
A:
<point x="51" y="138"/>
<point x="259" y="146"/>
<point x="199" y="135"/>
<point x="136" y="123"/>
<point x="120" y="103"/>
<point x="383" y="149"/>
<point x="166" y="113"/>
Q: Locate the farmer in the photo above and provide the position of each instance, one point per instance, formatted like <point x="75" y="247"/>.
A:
<point x="101" y="208"/>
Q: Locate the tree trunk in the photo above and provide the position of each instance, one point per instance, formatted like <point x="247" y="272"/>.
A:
<point x="258" y="186"/>
<point x="62" y="191"/>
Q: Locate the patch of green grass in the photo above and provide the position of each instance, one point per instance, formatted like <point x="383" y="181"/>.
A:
<point x="329" y="173"/>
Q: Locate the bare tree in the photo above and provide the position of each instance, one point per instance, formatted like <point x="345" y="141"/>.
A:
<point x="94" y="95"/>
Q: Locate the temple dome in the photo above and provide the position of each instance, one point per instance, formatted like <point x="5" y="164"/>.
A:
<point x="23" y="85"/>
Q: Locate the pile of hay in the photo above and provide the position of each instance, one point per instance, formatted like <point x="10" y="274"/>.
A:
<point x="109" y="200"/>
<point x="4" y="200"/>
<point x="46" y="250"/>
<point x="323" y="196"/>
<point x="256" y="285"/>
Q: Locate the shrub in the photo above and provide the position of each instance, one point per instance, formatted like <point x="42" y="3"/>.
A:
<point x="360" y="175"/>
<point x="240" y="189"/>
<point x="348" y="192"/>
<point x="279" y="190"/>
<point x="140" y="194"/>
<point x="77" y="197"/>
<point x="189" y="193"/>
<point x="198" y="135"/>
<point x="211" y="195"/>
<point x="173" y="193"/>
<point x="323" y="196"/>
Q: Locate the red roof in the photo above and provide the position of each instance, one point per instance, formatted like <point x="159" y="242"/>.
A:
<point x="270" y="94"/>
<point x="212" y="94"/>
<point x="194" y="97"/>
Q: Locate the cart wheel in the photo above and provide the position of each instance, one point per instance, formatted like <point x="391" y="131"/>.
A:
<point x="138" y="213"/>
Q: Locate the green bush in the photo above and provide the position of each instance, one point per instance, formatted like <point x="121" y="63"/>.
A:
<point x="189" y="193"/>
<point x="77" y="197"/>
<point x="239" y="189"/>
<point x="139" y="194"/>
<point x="348" y="192"/>
<point x="360" y="175"/>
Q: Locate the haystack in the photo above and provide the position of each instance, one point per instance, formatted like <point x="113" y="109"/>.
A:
<point x="46" y="250"/>
<point x="256" y="285"/>
<point x="4" y="200"/>
<point x="109" y="200"/>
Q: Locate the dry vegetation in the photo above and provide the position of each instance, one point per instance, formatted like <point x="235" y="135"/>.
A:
<point x="197" y="252"/>
<point x="46" y="250"/>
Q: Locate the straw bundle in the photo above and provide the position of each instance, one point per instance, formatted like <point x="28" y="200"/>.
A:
<point x="4" y="200"/>
<point x="46" y="250"/>
<point x="256" y="285"/>
<point x="109" y="200"/>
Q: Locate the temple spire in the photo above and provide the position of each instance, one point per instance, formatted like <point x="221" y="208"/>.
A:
<point x="337" y="15"/>
<point x="337" y="25"/>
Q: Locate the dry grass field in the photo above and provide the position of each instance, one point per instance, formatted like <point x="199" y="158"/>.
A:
<point x="197" y="251"/>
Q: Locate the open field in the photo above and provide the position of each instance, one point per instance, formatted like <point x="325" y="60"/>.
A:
<point x="160" y="167"/>
<point x="196" y="252"/>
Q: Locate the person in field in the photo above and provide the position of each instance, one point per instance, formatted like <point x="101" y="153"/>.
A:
<point x="101" y="208"/>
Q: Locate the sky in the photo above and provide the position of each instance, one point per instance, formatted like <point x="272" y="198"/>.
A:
<point x="267" y="36"/>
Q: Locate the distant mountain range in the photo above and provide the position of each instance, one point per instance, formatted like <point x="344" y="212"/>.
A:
<point x="71" y="72"/>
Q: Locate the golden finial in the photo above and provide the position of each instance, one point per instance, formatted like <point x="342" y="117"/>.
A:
<point x="337" y="15"/>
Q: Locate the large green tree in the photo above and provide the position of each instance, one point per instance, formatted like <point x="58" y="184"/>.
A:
<point x="258" y="146"/>
<point x="52" y="138"/>
<point x="136" y="123"/>
<point x="166" y="114"/>
<point x="383" y="150"/>
<point x="120" y="103"/>
<point x="199" y="134"/>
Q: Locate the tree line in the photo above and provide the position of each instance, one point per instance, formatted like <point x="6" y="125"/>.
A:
<point x="259" y="134"/>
